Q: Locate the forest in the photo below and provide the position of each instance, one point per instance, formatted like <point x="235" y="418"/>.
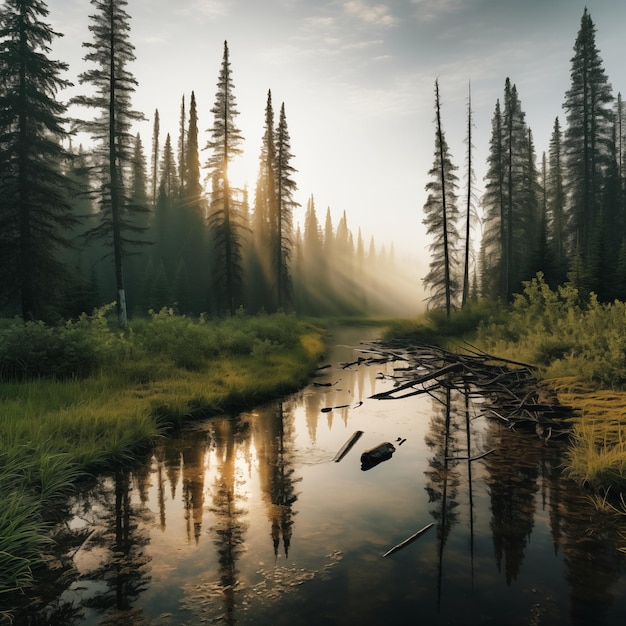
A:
<point x="82" y="227"/>
<point x="85" y="226"/>
<point x="562" y="215"/>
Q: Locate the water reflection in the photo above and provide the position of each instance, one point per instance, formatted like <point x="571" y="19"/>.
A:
<point x="247" y="520"/>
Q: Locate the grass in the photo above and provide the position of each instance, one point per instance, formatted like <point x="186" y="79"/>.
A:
<point x="115" y="395"/>
<point x="579" y="349"/>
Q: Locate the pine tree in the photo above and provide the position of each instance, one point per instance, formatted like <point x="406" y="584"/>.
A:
<point x="470" y="211"/>
<point x="588" y="136"/>
<point x="441" y="216"/>
<point x="494" y="202"/>
<point x="285" y="187"/>
<point x="111" y="51"/>
<point x="139" y="202"/>
<point x="225" y="144"/>
<point x="182" y="145"/>
<point x="34" y="209"/>
<point x="155" y="156"/>
<point x="265" y="211"/>
<point x="556" y="198"/>
<point x="191" y="210"/>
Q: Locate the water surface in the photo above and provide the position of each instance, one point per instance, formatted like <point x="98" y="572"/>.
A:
<point x="247" y="520"/>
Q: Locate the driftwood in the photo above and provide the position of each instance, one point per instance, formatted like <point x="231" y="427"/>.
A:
<point x="510" y="390"/>
<point x="376" y="455"/>
<point x="406" y="542"/>
<point x="348" y="446"/>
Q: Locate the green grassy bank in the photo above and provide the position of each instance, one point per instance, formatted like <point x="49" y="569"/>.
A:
<point x="579" y="348"/>
<point x="82" y="397"/>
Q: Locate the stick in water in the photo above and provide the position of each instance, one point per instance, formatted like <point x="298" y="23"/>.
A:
<point x="406" y="542"/>
<point x="347" y="446"/>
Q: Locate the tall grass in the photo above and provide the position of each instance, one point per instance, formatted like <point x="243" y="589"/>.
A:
<point x="84" y="396"/>
<point x="579" y="348"/>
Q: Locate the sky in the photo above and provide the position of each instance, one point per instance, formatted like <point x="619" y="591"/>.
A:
<point x="357" y="80"/>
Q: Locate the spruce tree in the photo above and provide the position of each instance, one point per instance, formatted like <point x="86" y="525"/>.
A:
<point x="441" y="215"/>
<point x="34" y="209"/>
<point x="224" y="225"/>
<point x="265" y="211"/>
<point x="556" y="199"/>
<point x="112" y="51"/>
<point x="470" y="212"/>
<point x="191" y="215"/>
<point x="494" y="203"/>
<point x="154" y="159"/>
<point x="285" y="187"/>
<point x="588" y="136"/>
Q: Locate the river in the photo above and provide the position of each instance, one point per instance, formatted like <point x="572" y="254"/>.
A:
<point x="248" y="520"/>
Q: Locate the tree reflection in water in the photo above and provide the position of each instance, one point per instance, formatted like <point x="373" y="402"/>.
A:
<point x="248" y="521"/>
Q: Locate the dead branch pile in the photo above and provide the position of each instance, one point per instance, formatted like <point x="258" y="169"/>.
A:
<point x="508" y="390"/>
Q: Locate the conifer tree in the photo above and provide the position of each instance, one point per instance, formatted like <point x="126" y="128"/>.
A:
<point x="265" y="211"/>
<point x="155" y="156"/>
<point x="285" y="187"/>
<point x="441" y="214"/>
<point x="111" y="51"/>
<point x="494" y="203"/>
<point x="138" y="200"/>
<point x="34" y="210"/>
<point x="182" y="144"/>
<point x="224" y="225"/>
<point x="470" y="212"/>
<point x="588" y="135"/>
<point x="556" y="198"/>
<point x="191" y="211"/>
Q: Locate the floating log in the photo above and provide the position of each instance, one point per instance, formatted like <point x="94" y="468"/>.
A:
<point x="348" y="446"/>
<point x="372" y="457"/>
<point x="406" y="542"/>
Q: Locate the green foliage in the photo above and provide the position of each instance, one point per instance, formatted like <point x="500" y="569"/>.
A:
<point x="163" y="370"/>
<point x="554" y="329"/>
<point x="30" y="350"/>
<point x="436" y="327"/>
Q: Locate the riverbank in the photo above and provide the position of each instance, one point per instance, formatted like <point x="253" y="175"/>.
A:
<point x="86" y="396"/>
<point x="579" y="352"/>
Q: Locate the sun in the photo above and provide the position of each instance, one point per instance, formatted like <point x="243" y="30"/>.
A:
<point x="242" y="172"/>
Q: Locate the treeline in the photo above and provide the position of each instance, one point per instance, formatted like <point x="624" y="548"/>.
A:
<point x="80" y="228"/>
<point x="564" y="215"/>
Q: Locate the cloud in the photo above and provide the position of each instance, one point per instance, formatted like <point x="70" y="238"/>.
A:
<point x="429" y="10"/>
<point x="207" y="9"/>
<point x="379" y="14"/>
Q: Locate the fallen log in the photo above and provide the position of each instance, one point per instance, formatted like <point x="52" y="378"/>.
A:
<point x="348" y="446"/>
<point x="406" y="542"/>
<point x="374" y="456"/>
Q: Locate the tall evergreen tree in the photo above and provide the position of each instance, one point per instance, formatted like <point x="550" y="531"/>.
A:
<point x="34" y="210"/>
<point x="494" y="203"/>
<point x="225" y="228"/>
<point x="155" y="156"/>
<point x="285" y="187"/>
<point x="265" y="211"/>
<point x="588" y="135"/>
<point x="182" y="144"/>
<point x="441" y="215"/>
<point x="470" y="212"/>
<point x="510" y="200"/>
<point x="139" y="201"/>
<point x="556" y="199"/>
<point x="191" y="211"/>
<point x="112" y="51"/>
